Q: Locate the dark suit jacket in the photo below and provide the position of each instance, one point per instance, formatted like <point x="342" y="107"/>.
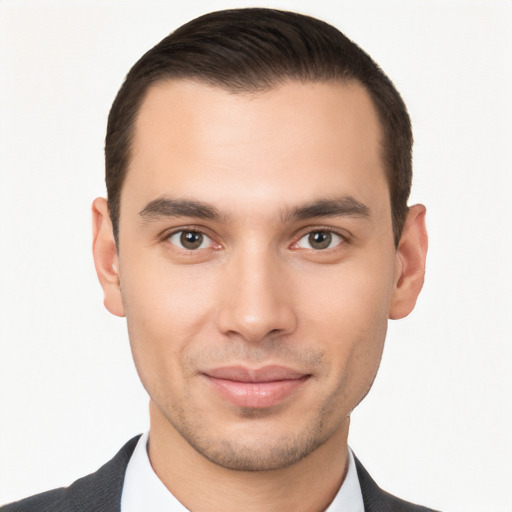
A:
<point x="101" y="492"/>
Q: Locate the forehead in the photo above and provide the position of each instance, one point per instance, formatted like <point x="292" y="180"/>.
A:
<point x="293" y="141"/>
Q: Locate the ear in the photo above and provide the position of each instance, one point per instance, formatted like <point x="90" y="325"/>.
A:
<point x="106" y="260"/>
<point x="410" y="263"/>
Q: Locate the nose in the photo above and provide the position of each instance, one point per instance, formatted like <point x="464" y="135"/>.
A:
<point x="257" y="301"/>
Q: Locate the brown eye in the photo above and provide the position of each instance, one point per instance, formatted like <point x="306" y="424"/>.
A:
<point x="320" y="240"/>
<point x="190" y="240"/>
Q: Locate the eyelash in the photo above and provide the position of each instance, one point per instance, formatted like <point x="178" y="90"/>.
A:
<point x="167" y="238"/>
<point x="343" y="239"/>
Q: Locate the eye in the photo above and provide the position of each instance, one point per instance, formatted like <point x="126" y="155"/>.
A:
<point x="320" y="240"/>
<point x="190" y="240"/>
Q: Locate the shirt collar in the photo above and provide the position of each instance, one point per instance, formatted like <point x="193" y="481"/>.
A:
<point x="143" y="490"/>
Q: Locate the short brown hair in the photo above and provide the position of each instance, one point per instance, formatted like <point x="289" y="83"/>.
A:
<point x="255" y="49"/>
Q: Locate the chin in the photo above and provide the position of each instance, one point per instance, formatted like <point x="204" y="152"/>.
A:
<point x="255" y="445"/>
<point x="278" y="454"/>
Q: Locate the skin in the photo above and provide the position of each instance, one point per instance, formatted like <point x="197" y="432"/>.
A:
<point x="256" y="292"/>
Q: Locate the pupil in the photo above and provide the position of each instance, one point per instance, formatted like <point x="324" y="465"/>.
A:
<point x="191" y="239"/>
<point x="320" y="239"/>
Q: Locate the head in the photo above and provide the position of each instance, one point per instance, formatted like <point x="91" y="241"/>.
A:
<point x="256" y="235"/>
<point x="254" y="50"/>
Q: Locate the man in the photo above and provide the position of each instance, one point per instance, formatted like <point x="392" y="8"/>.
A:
<point x="257" y="238"/>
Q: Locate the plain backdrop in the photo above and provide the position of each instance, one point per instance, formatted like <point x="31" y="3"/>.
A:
<point x="437" y="426"/>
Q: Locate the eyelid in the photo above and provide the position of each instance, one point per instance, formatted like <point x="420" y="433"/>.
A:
<point x="313" y="229"/>
<point x="206" y="241"/>
<point x="167" y="234"/>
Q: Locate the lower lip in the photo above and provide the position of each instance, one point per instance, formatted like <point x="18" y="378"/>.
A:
<point x="256" y="395"/>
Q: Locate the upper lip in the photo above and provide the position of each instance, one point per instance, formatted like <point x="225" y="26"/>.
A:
<point x="269" y="373"/>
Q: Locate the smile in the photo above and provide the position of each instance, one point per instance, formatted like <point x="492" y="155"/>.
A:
<point x="256" y="388"/>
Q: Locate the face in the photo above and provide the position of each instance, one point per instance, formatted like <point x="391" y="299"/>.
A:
<point x="256" y="265"/>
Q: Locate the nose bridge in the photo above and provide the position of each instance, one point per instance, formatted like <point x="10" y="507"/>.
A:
<point x="257" y="300"/>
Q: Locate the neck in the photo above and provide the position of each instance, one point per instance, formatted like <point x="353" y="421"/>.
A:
<point x="309" y="485"/>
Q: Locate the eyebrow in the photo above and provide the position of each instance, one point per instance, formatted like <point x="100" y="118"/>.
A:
<point x="345" y="206"/>
<point x="168" y="207"/>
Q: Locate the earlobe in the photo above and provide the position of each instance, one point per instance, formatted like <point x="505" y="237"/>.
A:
<point x="410" y="263"/>
<point x="105" y="257"/>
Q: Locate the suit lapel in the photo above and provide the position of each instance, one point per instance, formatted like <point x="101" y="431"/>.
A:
<point x="101" y="491"/>
<point x="377" y="500"/>
<point x="373" y="496"/>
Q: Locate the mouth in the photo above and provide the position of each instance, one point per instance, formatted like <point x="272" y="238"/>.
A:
<point x="256" y="388"/>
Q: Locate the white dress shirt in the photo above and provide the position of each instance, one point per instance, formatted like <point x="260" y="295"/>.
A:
<point x="143" y="490"/>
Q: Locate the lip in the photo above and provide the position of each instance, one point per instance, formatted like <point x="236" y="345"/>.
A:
<point x="256" y="388"/>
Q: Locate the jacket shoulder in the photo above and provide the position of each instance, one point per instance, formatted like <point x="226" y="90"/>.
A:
<point x="399" y="505"/>
<point x="377" y="500"/>
<point x="98" y="492"/>
<point x="49" y="501"/>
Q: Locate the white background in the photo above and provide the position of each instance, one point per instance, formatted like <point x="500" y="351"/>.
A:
<point x="437" y="426"/>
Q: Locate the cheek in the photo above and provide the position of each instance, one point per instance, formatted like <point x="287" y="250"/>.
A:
<point x="165" y="310"/>
<point x="349" y="298"/>
<point x="347" y="311"/>
<point x="163" y="297"/>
